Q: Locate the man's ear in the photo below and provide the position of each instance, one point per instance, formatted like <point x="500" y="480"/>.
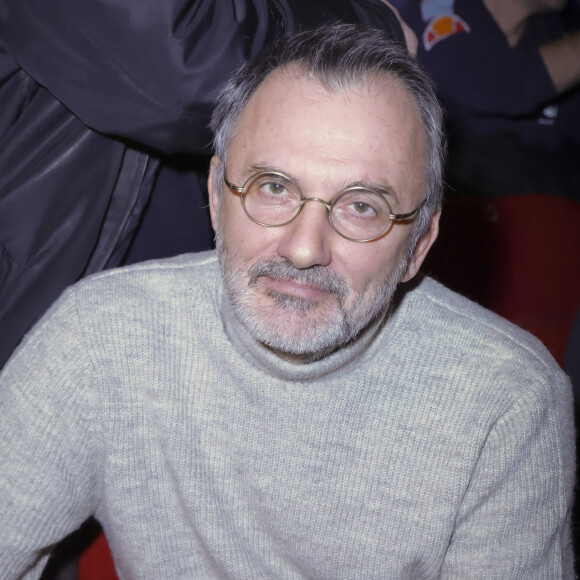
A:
<point x="214" y="196"/>
<point x="422" y="248"/>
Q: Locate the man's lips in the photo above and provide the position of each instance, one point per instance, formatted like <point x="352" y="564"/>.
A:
<point x="279" y="276"/>
<point x="295" y="288"/>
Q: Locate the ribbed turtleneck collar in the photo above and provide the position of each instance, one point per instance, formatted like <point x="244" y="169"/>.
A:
<point x="272" y="364"/>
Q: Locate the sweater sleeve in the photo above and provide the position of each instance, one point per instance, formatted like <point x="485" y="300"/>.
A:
<point x="514" y="521"/>
<point x="48" y="450"/>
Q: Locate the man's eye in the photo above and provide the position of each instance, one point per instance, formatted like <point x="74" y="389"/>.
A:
<point x="274" y="187"/>
<point x="362" y="207"/>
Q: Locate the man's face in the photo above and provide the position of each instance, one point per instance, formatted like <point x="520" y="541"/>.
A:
<point x="302" y="289"/>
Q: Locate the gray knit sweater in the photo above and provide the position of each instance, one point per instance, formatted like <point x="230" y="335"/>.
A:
<point x="439" y="445"/>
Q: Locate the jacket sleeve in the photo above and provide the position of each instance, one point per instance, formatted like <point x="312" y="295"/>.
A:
<point x="149" y="71"/>
<point x="469" y="70"/>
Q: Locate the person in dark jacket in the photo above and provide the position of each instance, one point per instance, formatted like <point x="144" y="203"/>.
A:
<point x="508" y="73"/>
<point x="93" y="94"/>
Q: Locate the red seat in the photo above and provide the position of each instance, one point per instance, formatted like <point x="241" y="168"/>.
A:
<point x="518" y="256"/>
<point x="96" y="563"/>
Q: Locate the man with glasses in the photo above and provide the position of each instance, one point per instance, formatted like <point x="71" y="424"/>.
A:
<point x="284" y="407"/>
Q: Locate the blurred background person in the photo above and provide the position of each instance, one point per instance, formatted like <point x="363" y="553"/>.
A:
<point x="507" y="72"/>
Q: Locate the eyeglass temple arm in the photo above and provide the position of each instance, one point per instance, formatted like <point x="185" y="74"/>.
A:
<point x="404" y="216"/>
<point x="233" y="187"/>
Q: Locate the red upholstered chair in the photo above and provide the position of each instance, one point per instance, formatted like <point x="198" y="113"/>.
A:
<point x="519" y="256"/>
<point x="96" y="563"/>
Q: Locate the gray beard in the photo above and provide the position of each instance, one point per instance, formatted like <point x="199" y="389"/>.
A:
<point x="320" y="328"/>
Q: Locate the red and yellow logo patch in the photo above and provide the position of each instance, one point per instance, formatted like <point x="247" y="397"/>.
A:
<point x="442" y="27"/>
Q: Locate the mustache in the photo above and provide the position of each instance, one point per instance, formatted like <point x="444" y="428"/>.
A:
<point x="317" y="276"/>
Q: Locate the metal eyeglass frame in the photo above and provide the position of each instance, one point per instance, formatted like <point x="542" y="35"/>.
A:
<point x="393" y="217"/>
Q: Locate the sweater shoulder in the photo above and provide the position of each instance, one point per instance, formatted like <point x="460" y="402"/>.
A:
<point x="462" y="331"/>
<point x="164" y="279"/>
<point x="142" y="295"/>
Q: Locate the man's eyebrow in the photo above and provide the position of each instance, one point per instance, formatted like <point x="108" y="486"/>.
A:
<point x="263" y="168"/>
<point x="383" y="188"/>
<point x="260" y="167"/>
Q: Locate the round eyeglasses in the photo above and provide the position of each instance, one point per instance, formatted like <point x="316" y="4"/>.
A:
<point x="356" y="213"/>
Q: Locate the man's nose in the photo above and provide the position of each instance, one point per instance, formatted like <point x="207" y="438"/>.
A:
<point x="306" y="240"/>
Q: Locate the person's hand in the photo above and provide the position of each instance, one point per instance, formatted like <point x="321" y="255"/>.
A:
<point x="562" y="60"/>
<point x="410" y="36"/>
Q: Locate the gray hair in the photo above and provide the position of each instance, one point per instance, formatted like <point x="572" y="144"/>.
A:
<point x="339" y="57"/>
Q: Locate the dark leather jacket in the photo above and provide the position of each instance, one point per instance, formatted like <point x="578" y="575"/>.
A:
<point x="90" y="93"/>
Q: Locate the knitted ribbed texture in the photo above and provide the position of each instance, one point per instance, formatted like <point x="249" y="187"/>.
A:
<point x="440" y="444"/>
